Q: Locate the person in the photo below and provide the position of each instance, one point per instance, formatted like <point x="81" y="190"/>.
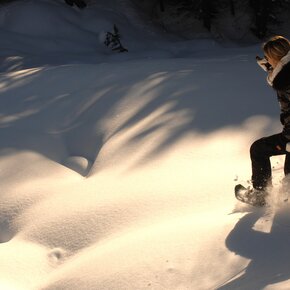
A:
<point x="276" y="62"/>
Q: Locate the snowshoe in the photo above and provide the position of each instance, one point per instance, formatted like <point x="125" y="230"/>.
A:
<point x="250" y="196"/>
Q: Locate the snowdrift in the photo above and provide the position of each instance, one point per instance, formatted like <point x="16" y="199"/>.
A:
<point x="119" y="174"/>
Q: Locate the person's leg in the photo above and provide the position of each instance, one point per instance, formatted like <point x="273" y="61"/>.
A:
<point x="260" y="152"/>
<point x="287" y="164"/>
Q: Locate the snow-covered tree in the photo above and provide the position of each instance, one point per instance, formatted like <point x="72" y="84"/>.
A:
<point x="113" y="40"/>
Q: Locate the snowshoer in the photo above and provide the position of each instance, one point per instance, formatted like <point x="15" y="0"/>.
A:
<point x="276" y="62"/>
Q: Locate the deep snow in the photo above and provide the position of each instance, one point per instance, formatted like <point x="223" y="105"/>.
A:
<point x="117" y="170"/>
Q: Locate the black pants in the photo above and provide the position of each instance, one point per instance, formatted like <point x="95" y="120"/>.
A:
<point x="260" y="152"/>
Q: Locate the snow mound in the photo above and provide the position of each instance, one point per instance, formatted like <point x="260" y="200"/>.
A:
<point x="79" y="164"/>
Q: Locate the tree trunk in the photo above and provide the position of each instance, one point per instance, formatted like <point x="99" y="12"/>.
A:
<point x="162" y="7"/>
<point x="232" y="5"/>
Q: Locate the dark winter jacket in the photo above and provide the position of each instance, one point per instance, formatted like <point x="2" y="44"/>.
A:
<point x="279" y="79"/>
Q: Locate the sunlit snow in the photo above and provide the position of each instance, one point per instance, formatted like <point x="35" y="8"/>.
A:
<point x="117" y="169"/>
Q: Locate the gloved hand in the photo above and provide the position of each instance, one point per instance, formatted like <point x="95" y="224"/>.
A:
<point x="263" y="63"/>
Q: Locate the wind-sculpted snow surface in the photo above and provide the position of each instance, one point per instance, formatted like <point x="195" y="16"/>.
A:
<point x="120" y="175"/>
<point x="154" y="207"/>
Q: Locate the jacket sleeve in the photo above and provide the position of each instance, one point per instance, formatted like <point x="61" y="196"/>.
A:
<point x="284" y="101"/>
<point x="286" y="131"/>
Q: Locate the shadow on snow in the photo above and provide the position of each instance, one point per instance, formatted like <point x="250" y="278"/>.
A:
<point x="59" y="112"/>
<point x="268" y="252"/>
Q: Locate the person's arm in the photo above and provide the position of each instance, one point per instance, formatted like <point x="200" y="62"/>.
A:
<point x="263" y="63"/>
<point x="284" y="102"/>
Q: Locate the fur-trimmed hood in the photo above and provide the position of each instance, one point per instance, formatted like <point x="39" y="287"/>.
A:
<point x="279" y="78"/>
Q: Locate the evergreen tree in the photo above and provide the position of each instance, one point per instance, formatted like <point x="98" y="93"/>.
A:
<point x="262" y="10"/>
<point x="79" y="3"/>
<point x="208" y="12"/>
<point x="205" y="10"/>
<point x="267" y="13"/>
<point x="113" y="40"/>
<point x="162" y="7"/>
<point x="232" y="6"/>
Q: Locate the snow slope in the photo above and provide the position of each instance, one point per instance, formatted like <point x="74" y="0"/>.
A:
<point x="117" y="170"/>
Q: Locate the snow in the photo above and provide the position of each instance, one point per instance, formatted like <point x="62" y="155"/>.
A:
<point x="117" y="170"/>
